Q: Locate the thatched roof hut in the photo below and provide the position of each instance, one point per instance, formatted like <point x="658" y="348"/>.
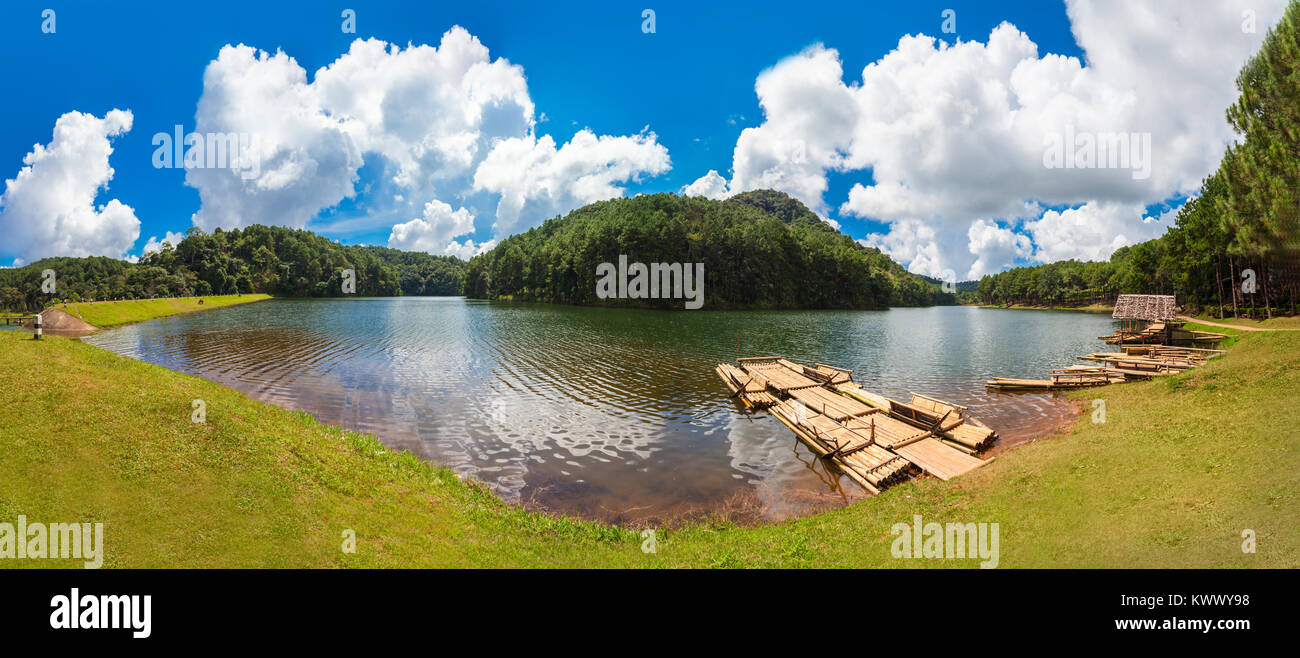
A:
<point x="1152" y="308"/>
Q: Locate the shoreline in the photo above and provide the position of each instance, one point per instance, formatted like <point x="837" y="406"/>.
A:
<point x="115" y="313"/>
<point x="1091" y="308"/>
<point x="312" y="477"/>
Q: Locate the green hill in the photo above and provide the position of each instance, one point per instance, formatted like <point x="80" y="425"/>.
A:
<point x="761" y="249"/>
<point x="256" y="259"/>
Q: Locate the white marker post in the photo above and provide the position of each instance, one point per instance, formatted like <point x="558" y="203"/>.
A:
<point x="36" y="324"/>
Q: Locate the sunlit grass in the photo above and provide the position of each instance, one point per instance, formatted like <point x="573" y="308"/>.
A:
<point x="1091" y="308"/>
<point x="1284" y="322"/>
<point x="112" y="313"/>
<point x="1179" y="469"/>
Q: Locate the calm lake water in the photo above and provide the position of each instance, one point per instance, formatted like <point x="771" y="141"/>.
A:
<point x="607" y="413"/>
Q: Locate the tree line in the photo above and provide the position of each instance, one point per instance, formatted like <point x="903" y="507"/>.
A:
<point x="266" y="259"/>
<point x="760" y="249"/>
<point x="1235" y="247"/>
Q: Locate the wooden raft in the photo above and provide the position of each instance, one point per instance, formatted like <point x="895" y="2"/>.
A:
<point x="866" y="436"/>
<point x="885" y="430"/>
<point x="970" y="433"/>
<point x="752" y="392"/>
<point x="948" y="421"/>
<point x="830" y="404"/>
<point x="864" y="462"/>
<point x="940" y="460"/>
<point x="778" y="377"/>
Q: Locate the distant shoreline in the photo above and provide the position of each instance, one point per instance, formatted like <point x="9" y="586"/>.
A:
<point x="1091" y="308"/>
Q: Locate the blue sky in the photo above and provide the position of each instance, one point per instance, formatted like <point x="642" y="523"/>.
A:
<point x="587" y="65"/>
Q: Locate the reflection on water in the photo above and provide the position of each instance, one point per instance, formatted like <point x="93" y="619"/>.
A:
<point x="606" y="413"/>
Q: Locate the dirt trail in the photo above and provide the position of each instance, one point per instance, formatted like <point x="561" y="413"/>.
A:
<point x="1236" y="326"/>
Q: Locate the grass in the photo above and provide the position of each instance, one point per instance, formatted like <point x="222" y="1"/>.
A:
<point x="1179" y="469"/>
<point x="113" y="313"/>
<point x="1282" y="322"/>
<point x="1091" y="308"/>
<point x="1233" y="335"/>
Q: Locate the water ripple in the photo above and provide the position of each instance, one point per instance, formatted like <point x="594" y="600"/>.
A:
<point x="600" y="412"/>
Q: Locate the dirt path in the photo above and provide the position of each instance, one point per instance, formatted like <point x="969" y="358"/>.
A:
<point x="1236" y="326"/>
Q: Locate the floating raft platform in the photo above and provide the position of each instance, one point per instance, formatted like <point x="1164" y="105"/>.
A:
<point x="873" y="440"/>
<point x="949" y="422"/>
<point x="752" y="392"/>
<point x="1135" y="362"/>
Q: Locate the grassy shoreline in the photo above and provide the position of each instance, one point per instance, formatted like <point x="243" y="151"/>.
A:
<point x="101" y="437"/>
<point x="1288" y="322"/>
<point x="115" y="313"/>
<point x="1091" y="308"/>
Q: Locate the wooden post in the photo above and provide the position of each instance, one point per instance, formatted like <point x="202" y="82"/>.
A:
<point x="36" y="324"/>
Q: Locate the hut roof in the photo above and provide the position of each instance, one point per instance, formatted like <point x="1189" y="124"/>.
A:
<point x="1145" y="307"/>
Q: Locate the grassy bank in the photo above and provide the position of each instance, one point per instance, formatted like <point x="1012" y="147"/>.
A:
<point x="1283" y="322"/>
<point x="109" y="314"/>
<point x="1180" y="467"/>
<point x="1091" y="308"/>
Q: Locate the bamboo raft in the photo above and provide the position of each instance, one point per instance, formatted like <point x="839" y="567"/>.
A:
<point x="1166" y="351"/>
<point x="875" y="441"/>
<point x="1062" y="379"/>
<point x="752" y="392"/>
<point x="947" y="421"/>
<point x="1135" y="362"/>
<point x="855" y="454"/>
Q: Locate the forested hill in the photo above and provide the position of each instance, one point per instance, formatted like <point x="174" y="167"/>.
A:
<point x="269" y="259"/>
<point x="760" y="249"/>
<point x="1237" y="244"/>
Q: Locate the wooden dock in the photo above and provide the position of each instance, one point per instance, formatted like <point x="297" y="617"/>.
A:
<point x="875" y="441"/>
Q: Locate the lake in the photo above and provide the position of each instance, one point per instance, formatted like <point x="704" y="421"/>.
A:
<point x="608" y="413"/>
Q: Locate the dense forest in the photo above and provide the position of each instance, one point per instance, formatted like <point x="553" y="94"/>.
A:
<point x="1235" y="247"/>
<point x="268" y="259"/>
<point x="760" y="249"/>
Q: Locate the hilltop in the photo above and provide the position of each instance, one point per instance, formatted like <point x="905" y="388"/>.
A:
<point x="760" y="249"/>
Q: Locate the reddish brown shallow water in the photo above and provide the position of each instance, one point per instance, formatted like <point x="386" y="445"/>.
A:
<point x="603" y="413"/>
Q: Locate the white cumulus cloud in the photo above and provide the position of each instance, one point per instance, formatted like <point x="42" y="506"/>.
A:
<point x="536" y="180"/>
<point x="1092" y="231"/>
<point x="711" y="186"/>
<point x="434" y="230"/>
<point x="154" y="244"/>
<point x="446" y="124"/>
<point x="914" y="242"/>
<point x="954" y="135"/>
<point x="49" y="209"/>
<point x="995" y="248"/>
